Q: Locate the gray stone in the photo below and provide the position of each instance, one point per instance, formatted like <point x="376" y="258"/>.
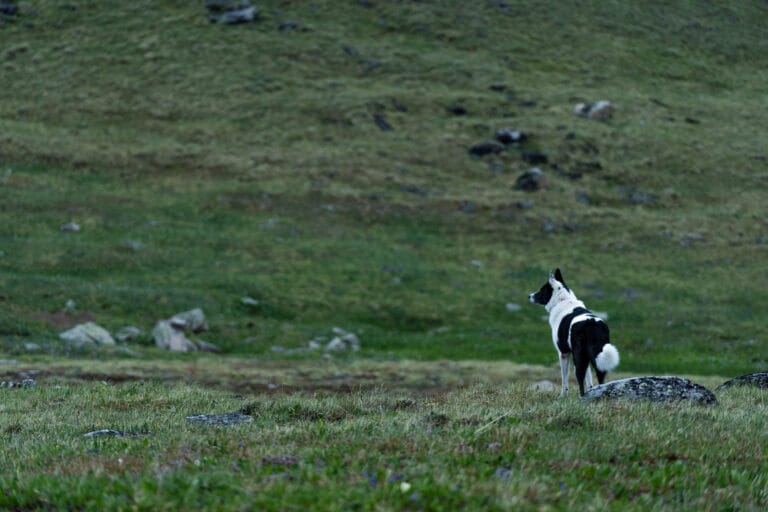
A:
<point x="249" y="301"/>
<point x="109" y="432"/>
<point x="32" y="347"/>
<point x="190" y="321"/>
<point x="168" y="337"/>
<point x="219" y="420"/>
<point x="510" y="136"/>
<point x="535" y="179"/>
<point x="70" y="227"/>
<point x="129" y="333"/>
<point x="543" y="385"/>
<point x="231" y="12"/>
<point x="9" y="362"/>
<point x="26" y="383"/>
<point x="513" y="308"/>
<point x="756" y="380"/>
<point x="602" y="109"/>
<point x="486" y="148"/>
<point x="87" y="335"/>
<point x="655" y="389"/>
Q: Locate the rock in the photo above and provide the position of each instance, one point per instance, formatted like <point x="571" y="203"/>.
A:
<point x="231" y="12"/>
<point x="655" y="389"/>
<point x="543" y="385"/>
<point x="457" y="110"/>
<point x="87" y="335"/>
<point x="534" y="157"/>
<point x="105" y="432"/>
<point x="8" y="362"/>
<point x="9" y="8"/>
<point x="510" y="136"/>
<point x="486" y="148"/>
<point x="128" y="333"/>
<point x="599" y="110"/>
<point x="170" y="338"/>
<point x="512" y="307"/>
<point x="249" y="301"/>
<point x="382" y="123"/>
<point x="70" y="227"/>
<point x="25" y="383"/>
<point x="220" y="420"/>
<point x="532" y="180"/>
<point x="31" y="347"/>
<point x="343" y="341"/>
<point x="757" y="380"/>
<point x="190" y="321"/>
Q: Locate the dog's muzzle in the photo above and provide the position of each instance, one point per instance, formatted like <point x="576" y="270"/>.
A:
<point x="531" y="299"/>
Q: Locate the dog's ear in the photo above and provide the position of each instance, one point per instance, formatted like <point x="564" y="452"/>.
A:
<point x="559" y="276"/>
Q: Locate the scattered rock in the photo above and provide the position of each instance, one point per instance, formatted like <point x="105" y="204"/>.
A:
<point x="343" y="341"/>
<point x="9" y="8"/>
<point x="220" y="420"/>
<point x="382" y="123"/>
<point x="510" y="136"/>
<point x="532" y="180"/>
<point x="171" y="338"/>
<point x="70" y="227"/>
<point x="8" y="362"/>
<point x="25" y="383"/>
<point x="655" y="389"/>
<point x="457" y="110"/>
<point x="31" y="347"/>
<point x="486" y="148"/>
<point x="87" y="335"/>
<point x="513" y="308"/>
<point x="113" y="433"/>
<point x="249" y="301"/>
<point x="757" y="380"/>
<point x="190" y="321"/>
<point x="534" y="157"/>
<point x="599" y="110"/>
<point x="543" y="385"/>
<point x="231" y="12"/>
<point x="128" y="333"/>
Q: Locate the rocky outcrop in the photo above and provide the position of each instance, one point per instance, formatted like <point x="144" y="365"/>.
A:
<point x="654" y="389"/>
<point x="756" y="380"/>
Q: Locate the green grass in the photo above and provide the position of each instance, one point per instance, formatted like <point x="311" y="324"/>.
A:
<point x="206" y="163"/>
<point x="493" y="446"/>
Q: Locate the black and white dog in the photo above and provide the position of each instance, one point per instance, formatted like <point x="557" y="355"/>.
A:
<point x="577" y="331"/>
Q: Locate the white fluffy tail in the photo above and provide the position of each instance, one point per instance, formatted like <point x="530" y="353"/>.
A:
<point x="608" y="359"/>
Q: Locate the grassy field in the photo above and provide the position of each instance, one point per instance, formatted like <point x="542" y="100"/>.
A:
<point x="317" y="161"/>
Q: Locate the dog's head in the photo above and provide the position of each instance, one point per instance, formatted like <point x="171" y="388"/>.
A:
<point x="554" y="287"/>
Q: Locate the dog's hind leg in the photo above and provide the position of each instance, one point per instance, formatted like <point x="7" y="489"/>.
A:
<point x="588" y="379"/>
<point x="582" y="369"/>
<point x="565" y="363"/>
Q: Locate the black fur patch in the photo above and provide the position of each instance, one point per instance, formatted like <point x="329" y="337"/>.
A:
<point x="565" y="327"/>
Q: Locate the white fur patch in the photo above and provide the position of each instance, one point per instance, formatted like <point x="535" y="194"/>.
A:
<point x="608" y="359"/>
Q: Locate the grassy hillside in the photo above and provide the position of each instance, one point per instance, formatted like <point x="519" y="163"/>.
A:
<point x="206" y="162"/>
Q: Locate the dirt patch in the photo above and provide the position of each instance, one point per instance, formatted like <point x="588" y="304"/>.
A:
<point x="62" y="320"/>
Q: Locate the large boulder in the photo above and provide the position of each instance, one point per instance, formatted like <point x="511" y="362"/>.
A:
<point x="87" y="335"/>
<point x="654" y="389"/>
<point x="756" y="380"/>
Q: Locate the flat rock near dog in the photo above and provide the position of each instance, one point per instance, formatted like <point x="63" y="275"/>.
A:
<point x="756" y="380"/>
<point x="655" y="389"/>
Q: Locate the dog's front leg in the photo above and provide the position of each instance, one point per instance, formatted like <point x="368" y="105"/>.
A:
<point x="565" y="363"/>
